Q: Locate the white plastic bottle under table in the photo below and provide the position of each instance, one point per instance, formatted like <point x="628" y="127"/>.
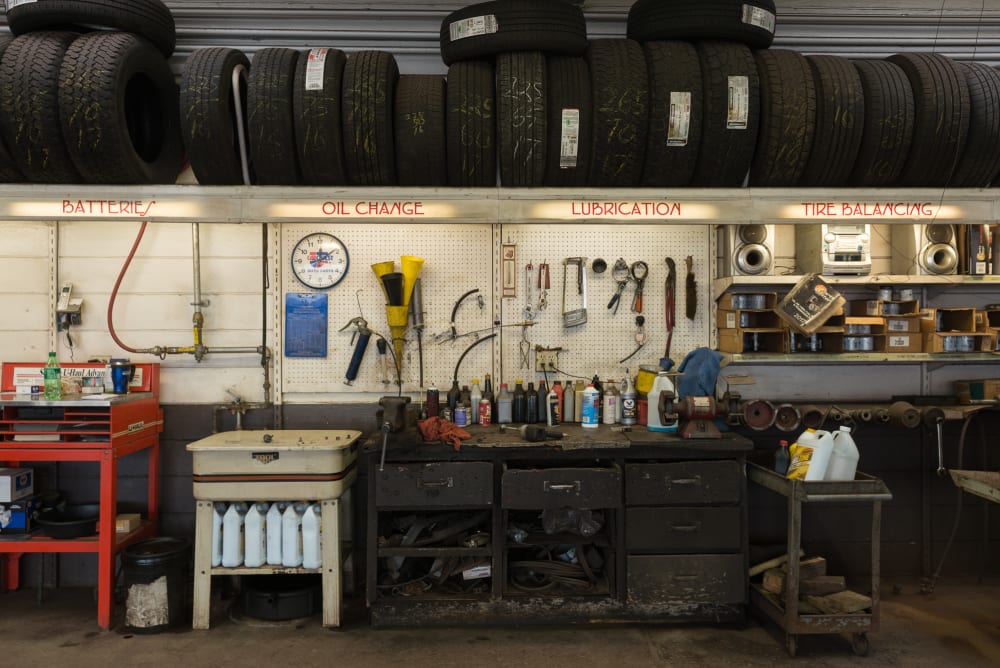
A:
<point x="312" y="537"/>
<point x="218" y="510"/>
<point x="291" y="535"/>
<point x="232" y="535"/>
<point x="255" y="535"/>
<point x="274" y="532"/>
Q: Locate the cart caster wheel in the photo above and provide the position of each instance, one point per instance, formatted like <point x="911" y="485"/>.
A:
<point x="859" y="644"/>
<point x="791" y="644"/>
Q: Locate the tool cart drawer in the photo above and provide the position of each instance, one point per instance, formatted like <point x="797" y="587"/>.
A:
<point x="687" y="579"/>
<point x="683" y="483"/>
<point x="571" y="487"/>
<point x="683" y="530"/>
<point x="435" y="484"/>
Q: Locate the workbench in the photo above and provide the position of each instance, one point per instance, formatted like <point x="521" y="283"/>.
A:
<point x="602" y="525"/>
<point x="79" y="428"/>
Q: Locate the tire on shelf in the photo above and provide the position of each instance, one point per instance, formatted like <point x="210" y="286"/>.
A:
<point x="270" y="117"/>
<point x="471" y="124"/>
<point x="369" y="150"/>
<point x="148" y="18"/>
<point x="750" y="22"/>
<point x="570" y="121"/>
<point x="209" y="114"/>
<point x="29" y="109"/>
<point x="521" y="117"/>
<point x="941" y="118"/>
<point x="788" y="118"/>
<point x="888" y="124"/>
<point x="675" y="113"/>
<point x="421" y="149"/>
<point x="489" y="28"/>
<point x="317" y="91"/>
<point x="9" y="172"/>
<point x="840" y="113"/>
<point x="732" y="114"/>
<point x="620" y="92"/>
<point x="110" y="77"/>
<point x="979" y="165"/>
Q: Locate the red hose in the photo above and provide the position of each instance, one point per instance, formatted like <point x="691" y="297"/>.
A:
<point x="114" y="291"/>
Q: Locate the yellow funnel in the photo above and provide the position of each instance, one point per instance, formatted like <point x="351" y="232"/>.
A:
<point x="381" y="269"/>
<point x="411" y="270"/>
<point x="398" y="317"/>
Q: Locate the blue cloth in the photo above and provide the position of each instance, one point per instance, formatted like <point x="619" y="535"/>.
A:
<point x="701" y="373"/>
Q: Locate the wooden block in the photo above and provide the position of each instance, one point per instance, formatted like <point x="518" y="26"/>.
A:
<point x="771" y="563"/>
<point x="822" y="585"/>
<point x="810" y="568"/>
<point x="841" y="603"/>
<point x="774" y="581"/>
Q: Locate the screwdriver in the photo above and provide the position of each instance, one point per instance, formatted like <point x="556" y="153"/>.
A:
<point x="533" y="433"/>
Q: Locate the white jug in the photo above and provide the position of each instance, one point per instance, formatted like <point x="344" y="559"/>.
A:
<point x="232" y="535"/>
<point x="657" y="419"/>
<point x="274" y="532"/>
<point x="291" y="535"/>
<point x="218" y="510"/>
<point x="312" y="537"/>
<point x="255" y="535"/>
<point x="844" y="458"/>
<point x="821" y="443"/>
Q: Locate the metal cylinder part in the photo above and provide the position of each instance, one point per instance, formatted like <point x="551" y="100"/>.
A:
<point x="904" y="414"/>
<point x="865" y="414"/>
<point x="787" y="417"/>
<point x="758" y="414"/>
<point x="811" y="416"/>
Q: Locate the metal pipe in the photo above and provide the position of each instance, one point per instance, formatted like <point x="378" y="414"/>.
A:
<point x="197" y="318"/>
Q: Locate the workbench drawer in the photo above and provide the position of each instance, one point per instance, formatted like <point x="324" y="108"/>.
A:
<point x="687" y="579"/>
<point x="683" y="483"/>
<point x="434" y="484"/>
<point x="570" y="487"/>
<point x="683" y="530"/>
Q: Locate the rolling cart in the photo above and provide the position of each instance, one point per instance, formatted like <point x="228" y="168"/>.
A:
<point x="864" y="488"/>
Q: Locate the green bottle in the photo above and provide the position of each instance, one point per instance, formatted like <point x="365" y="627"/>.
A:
<point x="52" y="374"/>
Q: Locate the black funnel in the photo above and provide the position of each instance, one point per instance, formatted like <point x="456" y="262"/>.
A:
<point x="393" y="284"/>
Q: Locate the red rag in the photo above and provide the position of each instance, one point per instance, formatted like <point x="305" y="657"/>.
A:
<point x="438" y="429"/>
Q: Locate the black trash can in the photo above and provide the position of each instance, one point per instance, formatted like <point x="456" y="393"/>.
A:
<point x="157" y="584"/>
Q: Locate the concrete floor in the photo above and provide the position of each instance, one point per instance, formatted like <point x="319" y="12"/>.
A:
<point x="956" y="626"/>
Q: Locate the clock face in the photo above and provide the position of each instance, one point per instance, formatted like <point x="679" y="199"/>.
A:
<point x="320" y="260"/>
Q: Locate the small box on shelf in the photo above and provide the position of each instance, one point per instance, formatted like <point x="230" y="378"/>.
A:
<point x="759" y="301"/>
<point x="127" y="522"/>
<point x="16" y="516"/>
<point x="16" y="483"/>
<point x="752" y="340"/>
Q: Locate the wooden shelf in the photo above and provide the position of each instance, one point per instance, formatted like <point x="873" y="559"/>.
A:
<point x="721" y="285"/>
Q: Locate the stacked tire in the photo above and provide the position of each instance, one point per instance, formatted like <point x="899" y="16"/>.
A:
<point x="86" y="94"/>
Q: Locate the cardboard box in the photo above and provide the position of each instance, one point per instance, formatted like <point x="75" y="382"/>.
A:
<point x="752" y="340"/>
<point x="904" y="342"/>
<point x="959" y="342"/>
<point x="747" y="319"/>
<point x="16" y="516"/>
<point x="824" y="342"/>
<point x="948" y="320"/>
<point x="977" y="390"/>
<point x="16" y="484"/>
<point x="809" y="304"/>
<point x="864" y="307"/>
<point x="127" y="522"/>
<point x="902" y="324"/>
<point x="873" y="325"/>
<point x="735" y="301"/>
<point x="905" y="307"/>
<point x="977" y="261"/>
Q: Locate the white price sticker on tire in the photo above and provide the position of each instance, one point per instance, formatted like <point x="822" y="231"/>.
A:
<point x="472" y="27"/>
<point x="680" y="118"/>
<point x="739" y="103"/>
<point x="758" y="16"/>
<point x="315" y="67"/>
<point x="569" y="142"/>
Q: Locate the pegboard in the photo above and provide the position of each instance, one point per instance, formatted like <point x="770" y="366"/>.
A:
<point x="598" y="345"/>
<point x="457" y="258"/>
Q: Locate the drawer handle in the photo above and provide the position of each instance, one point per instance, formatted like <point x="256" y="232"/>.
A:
<point x="447" y="482"/>
<point x="562" y="487"/>
<point x="694" y="526"/>
<point x="684" y="481"/>
<point x="679" y="576"/>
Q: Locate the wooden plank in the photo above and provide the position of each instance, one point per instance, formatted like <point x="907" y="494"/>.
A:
<point x="812" y="567"/>
<point x="822" y="585"/>
<point x="841" y="603"/>
<point x="771" y="563"/>
<point x="774" y="581"/>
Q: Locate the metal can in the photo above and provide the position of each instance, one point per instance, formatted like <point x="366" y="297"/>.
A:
<point x="433" y="400"/>
<point x="446" y="414"/>
<point x="461" y="415"/>
<point x="885" y="294"/>
<point x="485" y="412"/>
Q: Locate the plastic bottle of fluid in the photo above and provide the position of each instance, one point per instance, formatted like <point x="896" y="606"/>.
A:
<point x="590" y="413"/>
<point x="274" y="532"/>
<point x="52" y="376"/>
<point x="255" y="535"/>
<point x="558" y="389"/>
<point x="844" y="459"/>
<point x="218" y="511"/>
<point x="543" y="402"/>
<point x="475" y="398"/>
<point x="810" y="455"/>
<point x="610" y="403"/>
<point x="578" y="390"/>
<point x="504" y="405"/>
<point x="630" y="409"/>
<point x="312" y="537"/>
<point x="520" y="402"/>
<point x="781" y="458"/>
<point x="531" y="403"/>
<point x="232" y="535"/>
<point x="569" y="403"/>
<point x="552" y="410"/>
<point x="291" y="534"/>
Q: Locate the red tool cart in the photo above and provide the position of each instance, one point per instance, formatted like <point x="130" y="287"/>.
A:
<point x="89" y="428"/>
